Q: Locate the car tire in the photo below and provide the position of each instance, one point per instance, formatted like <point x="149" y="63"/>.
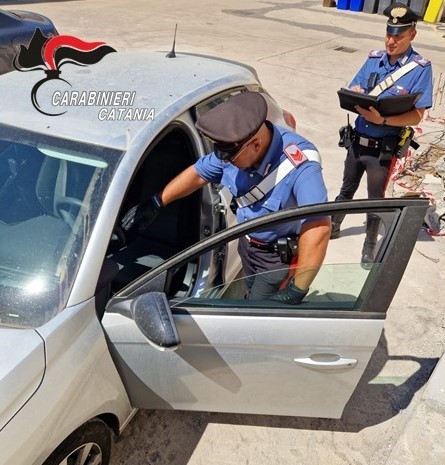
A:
<point x="90" y="444"/>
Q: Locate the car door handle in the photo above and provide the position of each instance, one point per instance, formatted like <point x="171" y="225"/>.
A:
<point x="326" y="361"/>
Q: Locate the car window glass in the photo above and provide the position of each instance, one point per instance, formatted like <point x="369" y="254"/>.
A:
<point x="275" y="113"/>
<point x="340" y="284"/>
<point x="51" y="191"/>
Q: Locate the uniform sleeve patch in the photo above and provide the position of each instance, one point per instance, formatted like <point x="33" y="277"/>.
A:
<point x="376" y="53"/>
<point x="295" y="155"/>
<point x="421" y="61"/>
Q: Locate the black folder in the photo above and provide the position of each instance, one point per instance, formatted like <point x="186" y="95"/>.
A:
<point x="386" y="106"/>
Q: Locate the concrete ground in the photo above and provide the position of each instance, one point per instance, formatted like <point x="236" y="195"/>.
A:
<point x="303" y="53"/>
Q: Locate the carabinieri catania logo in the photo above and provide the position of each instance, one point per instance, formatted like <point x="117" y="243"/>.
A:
<point x="50" y="54"/>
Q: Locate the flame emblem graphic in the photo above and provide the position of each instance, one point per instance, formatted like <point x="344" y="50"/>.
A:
<point x="50" y="54"/>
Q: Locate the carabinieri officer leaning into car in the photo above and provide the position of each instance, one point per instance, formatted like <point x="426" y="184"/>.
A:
<point x="266" y="168"/>
<point x="377" y="140"/>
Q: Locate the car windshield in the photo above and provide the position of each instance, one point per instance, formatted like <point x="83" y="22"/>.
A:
<point x="51" y="191"/>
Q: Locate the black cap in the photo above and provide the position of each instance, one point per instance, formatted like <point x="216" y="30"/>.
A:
<point x="401" y="18"/>
<point x="233" y="122"/>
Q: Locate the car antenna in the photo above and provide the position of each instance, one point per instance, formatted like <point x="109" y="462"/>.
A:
<point x="172" y="53"/>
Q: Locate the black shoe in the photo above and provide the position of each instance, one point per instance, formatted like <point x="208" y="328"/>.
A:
<point x="335" y="231"/>
<point x="368" y="256"/>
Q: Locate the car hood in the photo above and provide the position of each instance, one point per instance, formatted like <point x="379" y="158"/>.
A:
<point x="22" y="366"/>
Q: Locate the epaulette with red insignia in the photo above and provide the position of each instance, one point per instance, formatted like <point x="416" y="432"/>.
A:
<point x="295" y="155"/>
<point x="376" y="53"/>
<point x="422" y="61"/>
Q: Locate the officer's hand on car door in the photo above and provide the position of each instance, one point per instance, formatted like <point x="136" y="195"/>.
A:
<point x="142" y="215"/>
<point x="291" y="294"/>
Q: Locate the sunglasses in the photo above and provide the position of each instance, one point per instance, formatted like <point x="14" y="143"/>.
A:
<point x="229" y="155"/>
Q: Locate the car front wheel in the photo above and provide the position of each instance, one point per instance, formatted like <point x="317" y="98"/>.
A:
<point x="88" y="445"/>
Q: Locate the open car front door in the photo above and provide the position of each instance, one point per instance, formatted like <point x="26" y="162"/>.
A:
<point x="213" y="350"/>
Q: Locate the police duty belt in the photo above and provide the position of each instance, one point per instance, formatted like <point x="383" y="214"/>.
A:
<point x="291" y="161"/>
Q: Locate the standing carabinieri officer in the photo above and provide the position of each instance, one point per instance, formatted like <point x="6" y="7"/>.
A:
<point x="397" y="70"/>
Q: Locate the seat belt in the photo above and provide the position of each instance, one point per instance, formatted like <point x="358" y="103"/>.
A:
<point x="260" y="190"/>
<point x="392" y="78"/>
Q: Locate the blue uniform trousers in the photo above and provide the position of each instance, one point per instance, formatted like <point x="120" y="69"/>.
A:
<point x="263" y="270"/>
<point x="358" y="160"/>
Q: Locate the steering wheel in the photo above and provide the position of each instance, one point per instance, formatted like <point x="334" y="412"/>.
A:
<point x="67" y="209"/>
<point x="119" y="235"/>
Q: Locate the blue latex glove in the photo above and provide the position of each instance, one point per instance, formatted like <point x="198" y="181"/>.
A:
<point x="142" y="215"/>
<point x="291" y="294"/>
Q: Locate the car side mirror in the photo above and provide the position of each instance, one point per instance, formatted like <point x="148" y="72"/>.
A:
<point x="152" y="314"/>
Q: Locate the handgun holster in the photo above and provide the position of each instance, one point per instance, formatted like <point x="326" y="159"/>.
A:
<point x="287" y="248"/>
<point x="387" y="150"/>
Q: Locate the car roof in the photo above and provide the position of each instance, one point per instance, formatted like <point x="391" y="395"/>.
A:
<point x="169" y="86"/>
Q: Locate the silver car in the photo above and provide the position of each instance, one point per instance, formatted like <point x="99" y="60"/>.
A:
<point x="96" y="323"/>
